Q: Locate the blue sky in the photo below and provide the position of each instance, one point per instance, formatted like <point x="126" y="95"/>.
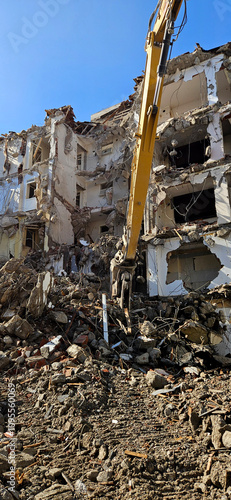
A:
<point x="85" y="52"/>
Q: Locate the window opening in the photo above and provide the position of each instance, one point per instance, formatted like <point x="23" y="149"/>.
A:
<point x="20" y="175"/>
<point x="104" y="187"/>
<point x="79" y="161"/>
<point x="77" y="200"/>
<point x="37" y="154"/>
<point x="226" y="130"/>
<point x="195" y="152"/>
<point x="30" y="238"/>
<point x="193" y="206"/>
<point x="106" y="150"/>
<point x="104" y="229"/>
<point x="31" y="187"/>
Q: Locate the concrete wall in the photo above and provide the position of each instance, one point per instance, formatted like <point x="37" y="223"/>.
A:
<point x="61" y="231"/>
<point x="170" y="261"/>
<point x="157" y="260"/>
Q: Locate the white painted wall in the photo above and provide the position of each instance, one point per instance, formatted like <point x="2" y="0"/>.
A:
<point x="157" y="265"/>
<point x="9" y="197"/>
<point x="157" y="270"/>
<point x="29" y="203"/>
<point x="65" y="170"/>
<point x="61" y="230"/>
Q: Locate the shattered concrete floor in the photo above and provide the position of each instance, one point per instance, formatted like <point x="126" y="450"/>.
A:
<point x="147" y="416"/>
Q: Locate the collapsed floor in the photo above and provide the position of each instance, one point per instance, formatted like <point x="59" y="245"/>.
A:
<point x="146" y="415"/>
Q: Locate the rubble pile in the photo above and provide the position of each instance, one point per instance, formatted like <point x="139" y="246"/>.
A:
<point x="103" y="251"/>
<point x="145" y="415"/>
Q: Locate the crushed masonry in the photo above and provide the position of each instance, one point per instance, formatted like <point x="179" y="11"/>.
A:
<point x="147" y="412"/>
<point x="111" y="403"/>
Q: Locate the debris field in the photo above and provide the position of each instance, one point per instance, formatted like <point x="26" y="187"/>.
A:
<point x="144" y="415"/>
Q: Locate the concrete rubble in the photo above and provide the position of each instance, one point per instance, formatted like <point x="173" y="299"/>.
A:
<point x="145" y="415"/>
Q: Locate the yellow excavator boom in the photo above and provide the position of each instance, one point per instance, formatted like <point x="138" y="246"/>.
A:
<point x="157" y="48"/>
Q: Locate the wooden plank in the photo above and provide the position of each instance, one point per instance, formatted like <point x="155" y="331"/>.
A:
<point x="135" y="454"/>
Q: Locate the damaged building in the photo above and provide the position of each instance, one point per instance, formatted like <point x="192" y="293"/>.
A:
<point x="61" y="182"/>
<point x="187" y="218"/>
<point x="69" y="180"/>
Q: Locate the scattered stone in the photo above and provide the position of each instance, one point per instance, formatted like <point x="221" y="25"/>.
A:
<point x="60" y="317"/>
<point x="54" y="492"/>
<point x="195" y="332"/>
<point x="4" y="361"/>
<point x="200" y="487"/>
<point x="155" y="380"/>
<point x="142" y="359"/>
<point x="145" y="343"/>
<point x="104" y="476"/>
<point x="19" y="327"/>
<point x="103" y="452"/>
<point x="50" y="347"/>
<point x="58" y="379"/>
<point x="7" y="340"/>
<point x="154" y="355"/>
<point x="215" y="338"/>
<point x="218" y="475"/>
<point x="54" y="473"/>
<point x="147" y="329"/>
<point x="217" y="430"/>
<point x="77" y="352"/>
<point x="4" y="465"/>
<point x="194" y="420"/>
<point x="24" y="460"/>
<point x="226" y="439"/>
<point x="80" y="488"/>
<point x="92" y="474"/>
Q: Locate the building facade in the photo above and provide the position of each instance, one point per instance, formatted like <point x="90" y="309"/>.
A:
<point x="63" y="181"/>
<point x="69" y="180"/>
<point x="188" y="216"/>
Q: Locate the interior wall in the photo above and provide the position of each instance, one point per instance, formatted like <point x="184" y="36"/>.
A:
<point x="61" y="231"/>
<point x="65" y="171"/>
<point x="181" y="96"/>
<point x="223" y="86"/>
<point x="93" y="227"/>
<point x="158" y="267"/>
<point x="194" y="264"/>
<point x="226" y="128"/>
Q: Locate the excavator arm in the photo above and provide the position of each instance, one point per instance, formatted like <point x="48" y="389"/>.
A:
<point x="157" y="48"/>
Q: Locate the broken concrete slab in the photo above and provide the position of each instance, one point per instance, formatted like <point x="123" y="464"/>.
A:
<point x="226" y="439"/>
<point x="18" y="327"/>
<point x="155" y="380"/>
<point x="195" y="332"/>
<point x="142" y="359"/>
<point x="50" y="347"/>
<point x="147" y="329"/>
<point x="6" y="495"/>
<point x="77" y="352"/>
<point x="4" y="361"/>
<point x="104" y="476"/>
<point x="54" y="492"/>
<point x="38" y="297"/>
<point x="60" y="317"/>
<point x="24" y="460"/>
